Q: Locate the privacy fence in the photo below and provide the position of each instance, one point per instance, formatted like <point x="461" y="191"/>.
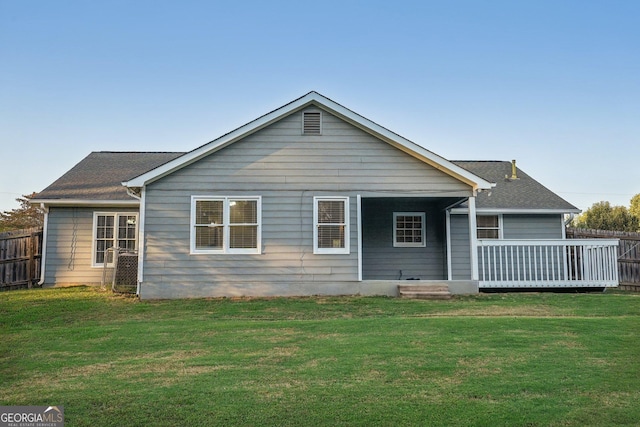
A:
<point x="628" y="253"/>
<point x="20" y="258"/>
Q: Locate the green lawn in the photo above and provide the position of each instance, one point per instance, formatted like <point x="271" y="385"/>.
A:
<point x="488" y="360"/>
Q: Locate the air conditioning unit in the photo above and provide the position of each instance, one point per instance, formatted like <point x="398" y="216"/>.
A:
<point x="125" y="277"/>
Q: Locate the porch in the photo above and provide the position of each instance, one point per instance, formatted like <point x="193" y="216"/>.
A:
<point x="564" y="263"/>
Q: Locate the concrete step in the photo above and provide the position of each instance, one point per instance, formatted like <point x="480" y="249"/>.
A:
<point x="424" y="292"/>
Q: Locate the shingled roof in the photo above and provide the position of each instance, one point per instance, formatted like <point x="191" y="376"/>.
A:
<point x="523" y="193"/>
<point x="99" y="176"/>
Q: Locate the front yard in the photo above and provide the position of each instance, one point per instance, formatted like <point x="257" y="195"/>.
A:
<point x="487" y="360"/>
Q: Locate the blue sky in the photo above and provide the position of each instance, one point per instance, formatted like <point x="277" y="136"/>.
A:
<point x="552" y="84"/>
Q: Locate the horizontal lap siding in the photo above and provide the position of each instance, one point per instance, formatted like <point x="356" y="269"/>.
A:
<point x="287" y="170"/>
<point x="532" y="226"/>
<point x="460" y="247"/>
<point x="70" y="245"/>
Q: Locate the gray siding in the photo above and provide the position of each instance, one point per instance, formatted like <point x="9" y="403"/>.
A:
<point x="287" y="170"/>
<point x="69" y="246"/>
<point x="383" y="261"/>
<point x="460" y="249"/>
<point x="532" y="226"/>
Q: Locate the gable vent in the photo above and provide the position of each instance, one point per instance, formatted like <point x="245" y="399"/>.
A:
<point x="311" y="123"/>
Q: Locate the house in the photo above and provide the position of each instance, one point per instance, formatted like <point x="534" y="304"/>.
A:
<point x="312" y="198"/>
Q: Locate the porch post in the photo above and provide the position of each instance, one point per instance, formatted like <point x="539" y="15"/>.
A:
<point x="142" y="212"/>
<point x="448" y="231"/>
<point x="359" y="223"/>
<point x="473" y="238"/>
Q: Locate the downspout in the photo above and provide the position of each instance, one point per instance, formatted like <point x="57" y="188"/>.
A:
<point x="44" y="242"/>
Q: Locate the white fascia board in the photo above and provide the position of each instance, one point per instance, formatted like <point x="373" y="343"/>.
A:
<point x="314" y="98"/>
<point x="86" y="202"/>
<point x="489" y="211"/>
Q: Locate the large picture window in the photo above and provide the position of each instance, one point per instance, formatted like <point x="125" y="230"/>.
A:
<point x="225" y="224"/>
<point x="409" y="229"/>
<point x="331" y="225"/>
<point x="113" y="230"/>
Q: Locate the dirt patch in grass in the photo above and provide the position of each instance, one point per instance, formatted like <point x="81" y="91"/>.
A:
<point x="501" y="311"/>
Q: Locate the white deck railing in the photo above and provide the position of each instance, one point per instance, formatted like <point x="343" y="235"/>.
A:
<point x="548" y="263"/>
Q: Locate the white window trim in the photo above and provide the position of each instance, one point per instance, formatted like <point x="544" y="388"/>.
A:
<point x="225" y="219"/>
<point x="500" y="226"/>
<point x="422" y="244"/>
<point x="94" y="236"/>
<point x="347" y="228"/>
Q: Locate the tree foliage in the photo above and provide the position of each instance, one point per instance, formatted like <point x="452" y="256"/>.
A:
<point x="603" y="216"/>
<point x="634" y="207"/>
<point x="26" y="216"/>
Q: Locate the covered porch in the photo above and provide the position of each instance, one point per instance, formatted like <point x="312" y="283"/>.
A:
<point x="444" y="252"/>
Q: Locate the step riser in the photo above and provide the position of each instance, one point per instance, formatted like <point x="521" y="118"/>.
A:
<point x="424" y="292"/>
<point x="436" y="288"/>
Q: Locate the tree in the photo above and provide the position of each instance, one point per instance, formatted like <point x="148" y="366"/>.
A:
<point x="634" y="208"/>
<point x="603" y="216"/>
<point x="26" y="216"/>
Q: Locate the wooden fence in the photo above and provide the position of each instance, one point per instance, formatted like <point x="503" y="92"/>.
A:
<point x="628" y="253"/>
<point x="20" y="258"/>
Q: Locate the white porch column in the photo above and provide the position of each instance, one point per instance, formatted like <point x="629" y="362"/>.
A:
<point x="141" y="221"/>
<point x="473" y="238"/>
<point x="359" y="222"/>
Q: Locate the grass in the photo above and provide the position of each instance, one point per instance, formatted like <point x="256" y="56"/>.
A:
<point x="487" y="360"/>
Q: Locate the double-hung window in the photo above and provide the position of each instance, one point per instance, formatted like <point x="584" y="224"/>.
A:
<point x="409" y="229"/>
<point x="489" y="226"/>
<point x="331" y="225"/>
<point x="113" y="230"/>
<point x="229" y="225"/>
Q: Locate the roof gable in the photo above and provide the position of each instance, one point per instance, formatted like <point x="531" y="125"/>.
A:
<point x="317" y="100"/>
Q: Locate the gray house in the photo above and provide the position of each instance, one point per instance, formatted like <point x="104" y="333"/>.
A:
<point x="312" y="198"/>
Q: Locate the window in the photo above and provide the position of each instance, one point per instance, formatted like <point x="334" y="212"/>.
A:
<point x="111" y="230"/>
<point x="312" y="123"/>
<point x="331" y="225"/>
<point x="489" y="226"/>
<point x="409" y="229"/>
<point x="225" y="224"/>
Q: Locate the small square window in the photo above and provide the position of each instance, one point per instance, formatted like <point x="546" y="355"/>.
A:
<point x="409" y="229"/>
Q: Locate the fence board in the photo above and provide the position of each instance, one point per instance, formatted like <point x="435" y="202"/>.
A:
<point x="628" y="253"/>
<point x="20" y="258"/>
